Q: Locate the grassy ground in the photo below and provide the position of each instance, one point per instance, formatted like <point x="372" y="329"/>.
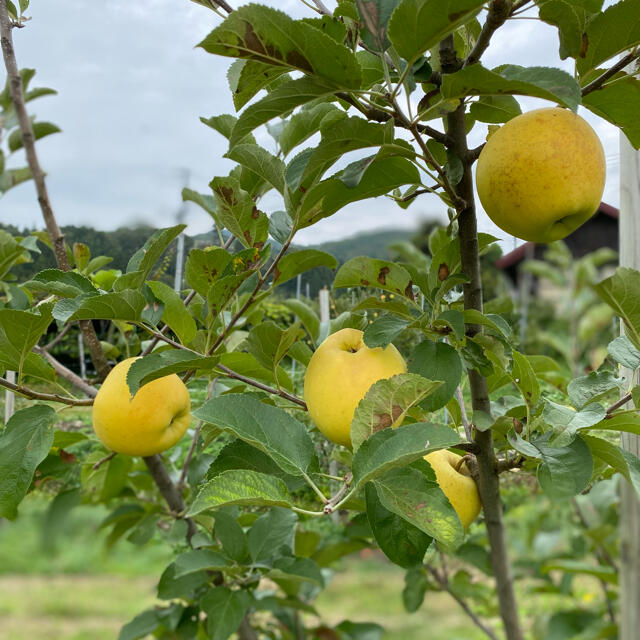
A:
<point x="94" y="607"/>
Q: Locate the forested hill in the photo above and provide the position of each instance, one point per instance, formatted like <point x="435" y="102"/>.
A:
<point x="122" y="243"/>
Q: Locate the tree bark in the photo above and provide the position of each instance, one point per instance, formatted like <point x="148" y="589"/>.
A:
<point x="28" y="140"/>
<point x="488" y="482"/>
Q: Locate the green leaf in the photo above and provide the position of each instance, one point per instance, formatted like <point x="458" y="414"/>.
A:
<point x="384" y="330"/>
<point x="11" y="252"/>
<point x="592" y="387"/>
<point x="300" y="261"/>
<point x="24" y="444"/>
<point x="261" y="162"/>
<point x="280" y="226"/>
<point x="175" y="314"/>
<point x="143" y="260"/>
<point x="622" y="461"/>
<point x="230" y="533"/>
<point x="19" y="333"/>
<point x="381" y="274"/>
<point x="391" y="448"/>
<point x="263" y="426"/>
<point x="302" y="125"/>
<point x="307" y="316"/>
<point x="348" y="134"/>
<point x="411" y="495"/>
<point x="403" y="543"/>
<point x="260" y="33"/>
<point x="331" y="195"/>
<point x="170" y="587"/>
<point x="141" y="626"/>
<point x="492" y="321"/>
<point x="269" y="343"/>
<point x="225" y="610"/>
<point x="617" y="102"/>
<point x="203" y="200"/>
<point x="13" y="177"/>
<point x="360" y="630"/>
<point x="238" y="213"/>
<point x="223" y="290"/>
<point x="524" y="377"/>
<point x="240" y="487"/>
<point x="416" y="584"/>
<point x="374" y="19"/>
<point x="240" y="455"/>
<point x="66" y="284"/>
<point x="386" y="403"/>
<point x="565" y="471"/>
<point x="609" y="33"/>
<point x="271" y="533"/>
<point x="289" y="95"/>
<point x="198" y="560"/>
<point x="568" y="422"/>
<point x="626" y="421"/>
<point x="40" y="130"/>
<point x="602" y="572"/>
<point x="621" y="292"/>
<point x="571" y="19"/>
<point x="437" y="361"/>
<point x="622" y="350"/>
<point x="126" y="305"/>
<point x="418" y="25"/>
<point x="495" y="109"/>
<point x="164" y="363"/>
<point x="540" y="82"/>
<point x="204" y="267"/>
<point x="247" y="77"/>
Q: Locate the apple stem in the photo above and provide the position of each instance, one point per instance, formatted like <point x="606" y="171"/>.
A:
<point x="488" y="481"/>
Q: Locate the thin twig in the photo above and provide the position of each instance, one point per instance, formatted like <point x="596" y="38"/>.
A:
<point x="100" y="462"/>
<point x="463" y="413"/>
<point x="610" y="72"/>
<point x="187" y="461"/>
<point x="499" y="11"/>
<point x="154" y="341"/>
<point x="443" y="583"/>
<point x="58" y="338"/>
<point x="619" y="403"/>
<point x="38" y="175"/>
<point x="264" y="387"/>
<point x="49" y="397"/>
<point x="67" y="374"/>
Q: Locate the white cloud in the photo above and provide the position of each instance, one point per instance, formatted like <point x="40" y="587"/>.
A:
<point x="132" y="86"/>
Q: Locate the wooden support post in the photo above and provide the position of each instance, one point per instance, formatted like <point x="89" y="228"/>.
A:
<point x="629" y="229"/>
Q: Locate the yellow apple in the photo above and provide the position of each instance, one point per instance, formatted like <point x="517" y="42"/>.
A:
<point x="339" y="375"/>
<point x="150" y="422"/>
<point x="457" y="484"/>
<point x="542" y="174"/>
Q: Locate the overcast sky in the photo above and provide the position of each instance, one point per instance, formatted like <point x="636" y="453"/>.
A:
<point x="131" y="89"/>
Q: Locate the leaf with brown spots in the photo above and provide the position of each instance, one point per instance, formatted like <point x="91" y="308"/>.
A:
<point x="386" y="404"/>
<point x="379" y="273"/>
<point x="420" y="501"/>
<point x="237" y="212"/>
<point x="269" y="36"/>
